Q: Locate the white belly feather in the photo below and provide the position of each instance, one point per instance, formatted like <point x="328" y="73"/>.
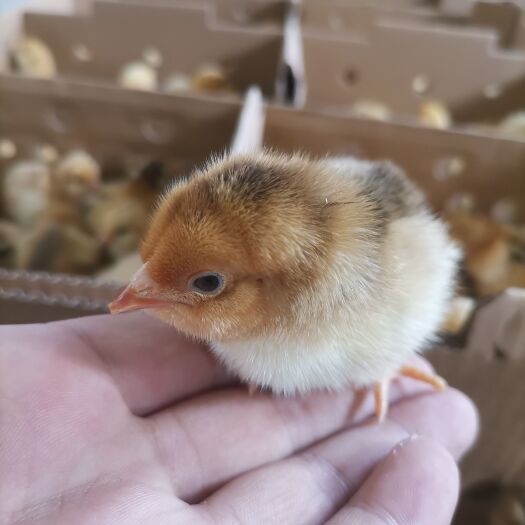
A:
<point x="361" y="346"/>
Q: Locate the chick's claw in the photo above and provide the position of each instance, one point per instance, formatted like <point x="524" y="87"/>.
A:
<point x="381" y="388"/>
<point x="415" y="373"/>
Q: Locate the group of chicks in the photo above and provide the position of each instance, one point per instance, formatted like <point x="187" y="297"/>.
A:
<point x="58" y="215"/>
<point x="30" y="56"/>
<point x="436" y="114"/>
<point x="493" y="246"/>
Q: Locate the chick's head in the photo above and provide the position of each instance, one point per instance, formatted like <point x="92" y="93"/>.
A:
<point x="77" y="173"/>
<point x="230" y="251"/>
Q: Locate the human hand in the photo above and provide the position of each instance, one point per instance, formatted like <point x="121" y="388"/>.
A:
<point x="120" y="420"/>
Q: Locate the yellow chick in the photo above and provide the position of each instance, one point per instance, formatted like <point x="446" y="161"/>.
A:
<point x="302" y="274"/>
<point x="75" y="181"/>
<point x="25" y="191"/>
<point x="434" y="114"/>
<point x="138" y="75"/>
<point x="31" y="57"/>
<point x="494" y="254"/>
<point x="210" y="77"/>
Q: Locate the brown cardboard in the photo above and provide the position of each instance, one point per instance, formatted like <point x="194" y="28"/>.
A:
<point x="111" y="122"/>
<point x="442" y="162"/>
<point x="118" y="33"/>
<point x="245" y="13"/>
<point x="490" y="370"/>
<point x="340" y="71"/>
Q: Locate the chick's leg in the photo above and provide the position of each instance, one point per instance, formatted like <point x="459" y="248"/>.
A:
<point x="381" y="399"/>
<point x="415" y="373"/>
<point x="381" y="389"/>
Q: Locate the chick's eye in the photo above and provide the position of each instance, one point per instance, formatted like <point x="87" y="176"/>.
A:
<point x="209" y="283"/>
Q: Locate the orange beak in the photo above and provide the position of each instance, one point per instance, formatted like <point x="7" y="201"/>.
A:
<point x="136" y="295"/>
<point x="130" y="300"/>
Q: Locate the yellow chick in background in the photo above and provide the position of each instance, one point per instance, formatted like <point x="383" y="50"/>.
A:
<point x="59" y="248"/>
<point x="25" y="191"/>
<point x="120" y="219"/>
<point x="31" y="57"/>
<point x="301" y="274"/>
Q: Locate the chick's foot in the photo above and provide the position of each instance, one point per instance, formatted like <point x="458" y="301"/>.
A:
<point x="381" y="388"/>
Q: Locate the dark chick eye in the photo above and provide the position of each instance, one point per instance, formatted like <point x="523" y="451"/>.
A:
<point x="208" y="283"/>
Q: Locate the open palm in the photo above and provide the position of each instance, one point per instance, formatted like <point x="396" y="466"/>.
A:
<point x="121" y="420"/>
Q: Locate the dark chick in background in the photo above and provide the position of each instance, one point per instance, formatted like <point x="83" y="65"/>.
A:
<point x="301" y="274"/>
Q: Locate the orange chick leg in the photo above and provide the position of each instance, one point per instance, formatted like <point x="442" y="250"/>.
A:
<point x="381" y="389"/>
<point x="381" y="399"/>
<point x="415" y="373"/>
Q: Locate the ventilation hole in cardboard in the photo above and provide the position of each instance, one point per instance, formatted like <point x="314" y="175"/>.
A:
<point x="46" y="153"/>
<point x="350" y="76"/>
<point x="448" y="167"/>
<point x="7" y="148"/>
<point x="336" y="23"/>
<point x="492" y="91"/>
<point x="460" y="202"/>
<point x="421" y="84"/>
<point x="499" y="354"/>
<point x="57" y="120"/>
<point x="152" y="56"/>
<point x="82" y="53"/>
<point x="240" y="14"/>
<point x="157" y="131"/>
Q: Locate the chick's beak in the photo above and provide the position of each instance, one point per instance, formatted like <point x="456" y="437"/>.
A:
<point x="139" y="294"/>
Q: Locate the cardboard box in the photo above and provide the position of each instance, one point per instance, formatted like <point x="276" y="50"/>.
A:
<point x="116" y="34"/>
<point x="426" y="65"/>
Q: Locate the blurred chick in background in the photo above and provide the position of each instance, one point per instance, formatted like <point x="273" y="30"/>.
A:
<point x="120" y="219"/>
<point x="25" y="191"/>
<point x="59" y="248"/>
<point x="74" y="183"/>
<point x="301" y="274"/>
<point x="494" y="254"/>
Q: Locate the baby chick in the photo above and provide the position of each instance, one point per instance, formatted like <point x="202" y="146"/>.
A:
<point x="120" y="219"/>
<point x="59" y="248"/>
<point x="25" y="192"/>
<point x="74" y="182"/>
<point x="301" y="274"/>
<point x="31" y="57"/>
<point x="434" y="114"/>
<point x="138" y="75"/>
<point x="494" y="254"/>
<point x="9" y="235"/>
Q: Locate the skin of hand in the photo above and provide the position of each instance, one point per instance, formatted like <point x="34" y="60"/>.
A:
<point x="121" y="420"/>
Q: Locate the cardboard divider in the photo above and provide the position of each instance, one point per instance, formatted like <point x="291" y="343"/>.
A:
<point x="426" y="65"/>
<point x="359" y="18"/>
<point x="118" y="33"/>
<point x="443" y="163"/>
<point x="244" y="13"/>
<point x="111" y="122"/>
